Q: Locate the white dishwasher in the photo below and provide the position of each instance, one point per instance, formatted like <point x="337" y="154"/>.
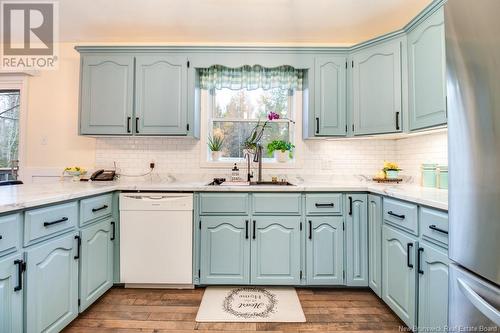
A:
<point x="156" y="240"/>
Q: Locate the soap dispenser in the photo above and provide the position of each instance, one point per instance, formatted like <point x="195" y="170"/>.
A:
<point x="235" y="173"/>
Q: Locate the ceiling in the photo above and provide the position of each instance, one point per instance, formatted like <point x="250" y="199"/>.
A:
<point x="290" y="22"/>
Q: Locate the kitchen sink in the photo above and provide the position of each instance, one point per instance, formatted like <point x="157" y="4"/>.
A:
<point x="218" y="182"/>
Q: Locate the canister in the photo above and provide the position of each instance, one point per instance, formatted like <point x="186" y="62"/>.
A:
<point x="443" y="177"/>
<point x="429" y="174"/>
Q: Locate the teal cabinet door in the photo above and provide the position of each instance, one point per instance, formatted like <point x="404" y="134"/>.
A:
<point x="225" y="250"/>
<point x="357" y="240"/>
<point x="426" y="73"/>
<point x="399" y="273"/>
<point x="106" y="94"/>
<point x="375" y="243"/>
<point x="329" y="96"/>
<point x="96" y="262"/>
<point x="325" y="250"/>
<point x="11" y="295"/>
<point x="52" y="285"/>
<point x="161" y="95"/>
<point x="376" y="89"/>
<point x="275" y="250"/>
<point x="432" y="288"/>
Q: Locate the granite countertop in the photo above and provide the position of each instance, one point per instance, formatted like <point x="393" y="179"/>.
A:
<point x="31" y="195"/>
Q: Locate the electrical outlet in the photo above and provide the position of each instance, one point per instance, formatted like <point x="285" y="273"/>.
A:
<point x="152" y="165"/>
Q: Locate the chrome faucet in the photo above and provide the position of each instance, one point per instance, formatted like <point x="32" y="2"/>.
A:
<point x="249" y="172"/>
<point x="258" y="158"/>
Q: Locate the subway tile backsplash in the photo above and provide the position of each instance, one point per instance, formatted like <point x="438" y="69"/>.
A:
<point x="349" y="157"/>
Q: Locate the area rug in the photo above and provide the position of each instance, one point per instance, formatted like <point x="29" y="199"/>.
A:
<point x="250" y="304"/>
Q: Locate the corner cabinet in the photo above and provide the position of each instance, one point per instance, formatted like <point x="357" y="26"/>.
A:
<point x="106" y="94"/>
<point x="330" y="96"/>
<point x="376" y="94"/>
<point x="426" y="73"/>
<point x="125" y="93"/>
<point x="357" y="240"/>
<point x="375" y="243"/>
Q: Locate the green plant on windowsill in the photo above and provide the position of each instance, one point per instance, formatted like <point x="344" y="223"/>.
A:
<point x="215" y="144"/>
<point x="280" y="148"/>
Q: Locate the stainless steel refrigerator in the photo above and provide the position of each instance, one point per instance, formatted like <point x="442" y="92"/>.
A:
<point x="472" y="30"/>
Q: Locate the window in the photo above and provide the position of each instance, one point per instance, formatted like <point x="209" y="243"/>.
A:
<point x="236" y="112"/>
<point x="9" y="129"/>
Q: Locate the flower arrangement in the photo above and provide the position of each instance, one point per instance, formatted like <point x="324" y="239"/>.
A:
<point x="279" y="149"/>
<point x="258" y="131"/>
<point x="391" y="170"/>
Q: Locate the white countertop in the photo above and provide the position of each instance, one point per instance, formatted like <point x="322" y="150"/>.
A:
<point x="31" y="195"/>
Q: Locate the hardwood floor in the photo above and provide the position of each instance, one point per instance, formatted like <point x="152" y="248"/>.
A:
<point x="146" y="310"/>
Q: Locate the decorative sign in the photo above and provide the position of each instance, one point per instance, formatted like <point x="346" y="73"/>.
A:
<point x="250" y="302"/>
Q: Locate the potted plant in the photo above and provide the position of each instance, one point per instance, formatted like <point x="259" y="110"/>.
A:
<point x="281" y="149"/>
<point x="391" y="170"/>
<point x="215" y="143"/>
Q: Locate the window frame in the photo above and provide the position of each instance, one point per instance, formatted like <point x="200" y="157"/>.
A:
<point x="19" y="82"/>
<point x="207" y="104"/>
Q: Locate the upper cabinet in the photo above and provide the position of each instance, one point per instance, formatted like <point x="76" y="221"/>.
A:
<point x="107" y="94"/>
<point x="161" y="95"/>
<point x="330" y="96"/>
<point x="134" y="94"/>
<point x="426" y="73"/>
<point x="377" y="89"/>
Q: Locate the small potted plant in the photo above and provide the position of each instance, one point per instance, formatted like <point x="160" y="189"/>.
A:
<point x="281" y="149"/>
<point x="391" y="170"/>
<point x="215" y="143"/>
<point x="76" y="172"/>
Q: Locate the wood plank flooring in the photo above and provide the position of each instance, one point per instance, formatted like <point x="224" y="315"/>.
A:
<point x="161" y="311"/>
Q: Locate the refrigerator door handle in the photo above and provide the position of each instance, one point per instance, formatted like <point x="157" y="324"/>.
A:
<point x="486" y="309"/>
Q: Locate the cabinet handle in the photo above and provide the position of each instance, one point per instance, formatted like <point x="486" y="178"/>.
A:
<point x="113" y="228"/>
<point x="21" y="267"/>
<point x="100" y="208"/>
<point x="322" y="205"/>
<point x="419" y="264"/>
<point x="128" y="124"/>
<point x="78" y="245"/>
<point x="397" y="120"/>
<point x="310" y="230"/>
<point x="1" y="236"/>
<point x="246" y="229"/>
<point x="254" y="222"/>
<point x="317" y="125"/>
<point x="137" y="124"/>
<point x="48" y="224"/>
<point x="433" y="227"/>
<point x="408" y="246"/>
<point x="350" y="205"/>
<point x="402" y="217"/>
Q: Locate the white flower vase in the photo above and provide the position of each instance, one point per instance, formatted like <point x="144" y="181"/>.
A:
<point x="216" y="155"/>
<point x="281" y="156"/>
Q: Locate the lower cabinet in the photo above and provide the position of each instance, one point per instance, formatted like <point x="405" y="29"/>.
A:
<point x="225" y="250"/>
<point x="325" y="250"/>
<point x="96" y="262"/>
<point x="275" y="254"/>
<point x="52" y="284"/>
<point x="11" y="294"/>
<point x="399" y="273"/>
<point x="237" y="250"/>
<point x="375" y="244"/>
<point x="432" y="288"/>
<point x="356" y="240"/>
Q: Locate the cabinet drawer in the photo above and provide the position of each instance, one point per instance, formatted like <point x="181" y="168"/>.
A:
<point x="10" y="233"/>
<point x="224" y="203"/>
<point x="276" y="203"/>
<point x="434" y="225"/>
<point x="324" y="204"/>
<point x="43" y="223"/>
<point x="95" y="208"/>
<point x="402" y="214"/>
